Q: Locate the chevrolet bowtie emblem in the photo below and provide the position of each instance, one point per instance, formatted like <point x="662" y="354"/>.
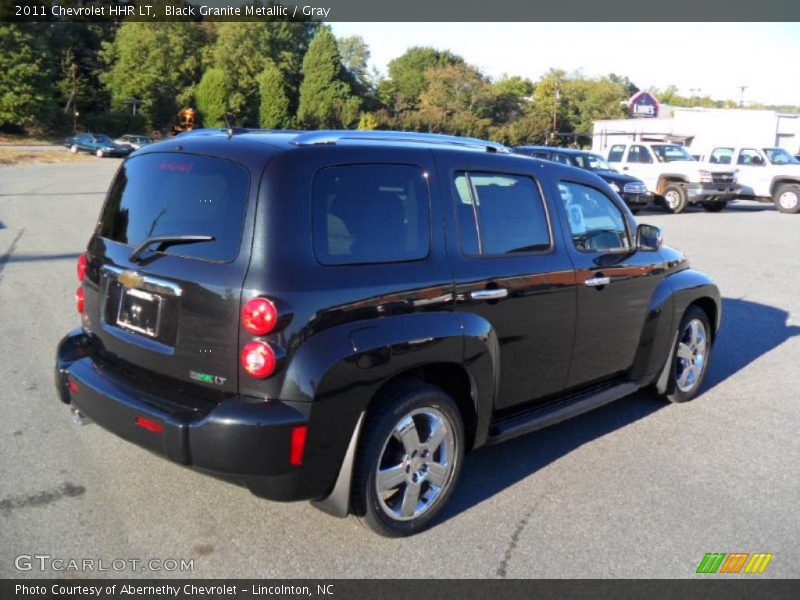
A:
<point x="130" y="279"/>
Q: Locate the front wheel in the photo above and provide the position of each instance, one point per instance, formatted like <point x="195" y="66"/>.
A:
<point x="715" y="206"/>
<point x="73" y="149"/>
<point x="99" y="154"/>
<point x="787" y="198"/>
<point x="675" y="198"/>
<point x="690" y="359"/>
<point x="409" y="459"/>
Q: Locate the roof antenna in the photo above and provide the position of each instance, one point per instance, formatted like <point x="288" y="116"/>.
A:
<point x="228" y="126"/>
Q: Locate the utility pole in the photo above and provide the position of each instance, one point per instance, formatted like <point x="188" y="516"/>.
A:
<point x="742" y="88"/>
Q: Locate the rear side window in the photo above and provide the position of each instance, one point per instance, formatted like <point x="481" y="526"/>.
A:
<point x="500" y="214"/>
<point x="178" y="194"/>
<point x="370" y="214"/>
<point x="616" y="152"/>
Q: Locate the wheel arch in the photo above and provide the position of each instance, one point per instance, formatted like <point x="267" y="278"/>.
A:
<point x="781" y="180"/>
<point x="667" y="178"/>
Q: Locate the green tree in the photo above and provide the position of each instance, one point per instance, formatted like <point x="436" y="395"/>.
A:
<point x="156" y="63"/>
<point x="326" y="98"/>
<point x="456" y="101"/>
<point x="274" y="112"/>
<point x="211" y="95"/>
<point x="26" y="91"/>
<point x="407" y="75"/>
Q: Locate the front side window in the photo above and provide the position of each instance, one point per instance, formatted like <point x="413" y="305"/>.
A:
<point x="500" y="214"/>
<point x="721" y="156"/>
<point x="616" y="152"/>
<point x="751" y="157"/>
<point x="639" y="154"/>
<point x="595" y="222"/>
<point x="592" y="162"/>
<point x="370" y="214"/>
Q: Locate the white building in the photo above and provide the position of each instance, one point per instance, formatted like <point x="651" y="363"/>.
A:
<point x="701" y="129"/>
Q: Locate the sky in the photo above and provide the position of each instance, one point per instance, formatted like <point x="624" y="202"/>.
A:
<point x="712" y="59"/>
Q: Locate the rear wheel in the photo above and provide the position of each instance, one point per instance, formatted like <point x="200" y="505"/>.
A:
<point x="690" y="359"/>
<point x="73" y="149"/>
<point x="409" y="459"/>
<point x="675" y="198"/>
<point x="787" y="198"/>
<point x="715" y="206"/>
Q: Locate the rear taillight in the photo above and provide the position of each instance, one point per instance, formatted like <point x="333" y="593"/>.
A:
<point x="81" y="267"/>
<point x="259" y="316"/>
<point x="149" y="424"/>
<point x="258" y="359"/>
<point x="79" y="299"/>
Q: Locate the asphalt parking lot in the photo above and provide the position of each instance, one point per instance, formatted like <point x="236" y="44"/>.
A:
<point x="636" y="489"/>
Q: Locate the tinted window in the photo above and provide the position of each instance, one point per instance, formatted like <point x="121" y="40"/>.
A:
<point x="500" y="214"/>
<point x="370" y="214"/>
<point x="616" y="152"/>
<point x="595" y="221"/>
<point x="176" y="194"/>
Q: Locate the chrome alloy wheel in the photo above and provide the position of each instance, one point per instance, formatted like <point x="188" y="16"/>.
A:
<point x="673" y="199"/>
<point x="788" y="199"/>
<point x="416" y="464"/>
<point x="692" y="352"/>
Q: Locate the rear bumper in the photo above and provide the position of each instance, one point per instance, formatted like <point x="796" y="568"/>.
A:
<point x="248" y="442"/>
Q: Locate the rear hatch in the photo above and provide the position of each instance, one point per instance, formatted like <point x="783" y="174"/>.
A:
<point x="173" y="310"/>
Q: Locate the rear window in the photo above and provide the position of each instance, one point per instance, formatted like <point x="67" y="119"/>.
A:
<point x="178" y="194"/>
<point x="370" y="214"/>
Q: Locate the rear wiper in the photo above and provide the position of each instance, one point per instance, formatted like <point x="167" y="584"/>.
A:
<point x="167" y="240"/>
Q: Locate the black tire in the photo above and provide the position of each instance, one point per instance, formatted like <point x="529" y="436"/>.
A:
<point x="379" y="445"/>
<point x="99" y="154"/>
<point x="675" y="198"/>
<point x="676" y="392"/>
<point x="787" y="198"/>
<point x="635" y="211"/>
<point x="715" y="206"/>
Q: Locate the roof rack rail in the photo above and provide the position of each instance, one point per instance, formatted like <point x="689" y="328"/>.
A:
<point x="315" y="138"/>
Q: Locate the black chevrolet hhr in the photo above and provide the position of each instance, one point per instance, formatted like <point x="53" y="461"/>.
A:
<point x="339" y="316"/>
<point x="632" y="190"/>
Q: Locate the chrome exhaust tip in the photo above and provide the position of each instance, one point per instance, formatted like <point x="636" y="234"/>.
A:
<point x="78" y="418"/>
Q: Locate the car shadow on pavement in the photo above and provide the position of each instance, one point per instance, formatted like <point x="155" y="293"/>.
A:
<point x="749" y="330"/>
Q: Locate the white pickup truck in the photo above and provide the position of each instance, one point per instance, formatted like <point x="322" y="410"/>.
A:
<point x="675" y="176"/>
<point x="765" y="174"/>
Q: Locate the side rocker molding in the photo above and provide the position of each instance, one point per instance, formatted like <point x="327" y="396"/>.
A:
<point x="338" y="502"/>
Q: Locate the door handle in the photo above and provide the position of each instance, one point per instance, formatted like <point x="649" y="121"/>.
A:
<point x="597" y="281"/>
<point x="494" y="294"/>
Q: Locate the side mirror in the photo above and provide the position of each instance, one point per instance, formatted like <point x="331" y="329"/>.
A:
<point x="648" y="237"/>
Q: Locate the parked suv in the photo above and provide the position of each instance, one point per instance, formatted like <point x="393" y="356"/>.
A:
<point x="340" y="316"/>
<point x="633" y="191"/>
<point x="675" y="176"/>
<point x="765" y="174"/>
